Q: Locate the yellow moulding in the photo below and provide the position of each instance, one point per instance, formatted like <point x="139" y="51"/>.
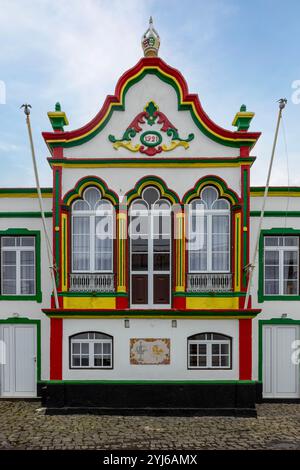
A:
<point x="89" y="303"/>
<point x="238" y="246"/>
<point x="180" y="253"/>
<point x="121" y="258"/>
<point x="163" y="164"/>
<point x="64" y="253"/>
<point x="276" y="194"/>
<point x="205" y="303"/>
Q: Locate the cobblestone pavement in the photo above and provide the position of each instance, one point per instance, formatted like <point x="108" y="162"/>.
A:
<point x="23" y="425"/>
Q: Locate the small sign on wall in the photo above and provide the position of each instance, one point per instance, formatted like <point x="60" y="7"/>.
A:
<point x="149" y="351"/>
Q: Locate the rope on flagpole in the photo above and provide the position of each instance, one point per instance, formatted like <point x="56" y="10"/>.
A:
<point x="48" y="244"/>
<point x="251" y="267"/>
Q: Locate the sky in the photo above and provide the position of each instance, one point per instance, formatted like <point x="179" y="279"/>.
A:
<point x="73" y="51"/>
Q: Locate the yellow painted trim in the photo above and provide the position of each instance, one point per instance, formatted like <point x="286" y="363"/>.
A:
<point x="163" y="164"/>
<point x="121" y="255"/>
<point x="237" y="280"/>
<point x="122" y="101"/>
<point x="27" y="195"/>
<point x="84" y="186"/>
<point x="243" y="115"/>
<point x="64" y="252"/>
<point x="276" y="194"/>
<point x="213" y="183"/>
<point x="154" y="183"/>
<point x="89" y="303"/>
<point x="180" y="252"/>
<point x="163" y="317"/>
<point x="58" y="114"/>
<point x="205" y="303"/>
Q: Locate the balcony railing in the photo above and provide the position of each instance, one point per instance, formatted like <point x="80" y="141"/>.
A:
<point x="85" y="282"/>
<point x="209" y="282"/>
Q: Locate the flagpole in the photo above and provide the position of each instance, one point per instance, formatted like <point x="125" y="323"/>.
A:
<point x="282" y="102"/>
<point x="37" y="181"/>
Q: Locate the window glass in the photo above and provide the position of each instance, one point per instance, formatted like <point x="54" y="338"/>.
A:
<point x="18" y="265"/>
<point x="91" y="350"/>
<point x="209" y="350"/>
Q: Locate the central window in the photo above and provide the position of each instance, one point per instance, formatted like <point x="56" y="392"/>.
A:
<point x="92" y="233"/>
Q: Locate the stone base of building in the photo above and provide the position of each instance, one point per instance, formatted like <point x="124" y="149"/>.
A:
<point x="232" y="399"/>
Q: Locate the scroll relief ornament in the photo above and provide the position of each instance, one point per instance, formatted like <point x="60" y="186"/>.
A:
<point x="150" y="133"/>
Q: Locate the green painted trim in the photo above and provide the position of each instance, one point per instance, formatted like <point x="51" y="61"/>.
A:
<point x="195" y="192"/>
<point x="92" y="294"/>
<point x="150" y="382"/>
<point x="275" y="213"/>
<point x="27" y="321"/>
<point x="38" y="292"/>
<point x="209" y="294"/>
<point x="34" y="215"/>
<point x="24" y="190"/>
<point x="261" y="323"/>
<point x="168" y="193"/>
<point x="260" y="294"/>
<point x="106" y="192"/>
<point x="181" y="107"/>
<point x="129" y="160"/>
<point x="275" y="189"/>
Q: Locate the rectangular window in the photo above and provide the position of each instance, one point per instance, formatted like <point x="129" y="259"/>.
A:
<point x="281" y="265"/>
<point x="18" y="272"/>
<point x="91" y="353"/>
<point x="209" y="354"/>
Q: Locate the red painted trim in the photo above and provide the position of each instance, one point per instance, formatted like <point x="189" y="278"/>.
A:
<point x="58" y="152"/>
<point x="186" y="96"/>
<point x="245" y="349"/>
<point x="244" y="152"/>
<point x="179" y="303"/>
<point x="233" y="247"/>
<point x="56" y="336"/>
<point x="206" y="177"/>
<point x="250" y="311"/>
<point x="121" y="303"/>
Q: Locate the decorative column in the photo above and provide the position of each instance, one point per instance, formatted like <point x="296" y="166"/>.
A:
<point x="121" y="285"/>
<point x="179" y="234"/>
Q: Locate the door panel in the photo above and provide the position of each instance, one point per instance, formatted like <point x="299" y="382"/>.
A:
<point x="280" y="374"/>
<point x="139" y="289"/>
<point x="161" y="287"/>
<point x="18" y="374"/>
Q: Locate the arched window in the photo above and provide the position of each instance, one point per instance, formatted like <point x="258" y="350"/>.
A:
<point x="209" y="351"/>
<point x="92" y="233"/>
<point x="91" y="350"/>
<point x="150" y="250"/>
<point x="209" y="233"/>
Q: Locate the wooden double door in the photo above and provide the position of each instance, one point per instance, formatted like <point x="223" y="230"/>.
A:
<point x="150" y="258"/>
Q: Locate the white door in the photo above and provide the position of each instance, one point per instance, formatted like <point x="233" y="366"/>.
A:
<point x="18" y="373"/>
<point x="280" y="372"/>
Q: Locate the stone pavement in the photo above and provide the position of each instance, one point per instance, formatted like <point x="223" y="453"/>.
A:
<point x="24" y="425"/>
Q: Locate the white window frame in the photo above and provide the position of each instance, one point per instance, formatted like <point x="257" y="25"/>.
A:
<point x="209" y="343"/>
<point x="92" y="214"/>
<point x="209" y="213"/>
<point x="91" y="353"/>
<point x="281" y="249"/>
<point x="18" y="249"/>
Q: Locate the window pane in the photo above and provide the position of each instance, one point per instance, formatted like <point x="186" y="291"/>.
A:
<point x="27" y="241"/>
<point x="75" y="348"/>
<point x="271" y="257"/>
<point x="291" y="241"/>
<point x="9" y="241"/>
<point x="202" y="348"/>
<point x="220" y="224"/>
<point x="193" y="349"/>
<point x="215" y="348"/>
<point x="224" y="348"/>
<point x="225" y="361"/>
<point x="139" y="244"/>
<point x="198" y="261"/>
<point x="215" y="361"/>
<point x="161" y="244"/>
<point x="291" y="272"/>
<point x="81" y="336"/>
<point x="290" y="257"/>
<point x="85" y="361"/>
<point x="106" y="348"/>
<point x="9" y="287"/>
<point x="98" y="361"/>
<point x="106" y="361"/>
<point x="103" y="262"/>
<point x="290" y="287"/>
<point x="92" y="196"/>
<point x="271" y="241"/>
<point x="193" y="361"/>
<point x="272" y="272"/>
<point x="98" y="348"/>
<point x="220" y="242"/>
<point x="9" y="257"/>
<point x="27" y="287"/>
<point x="9" y="272"/>
<point x="220" y="261"/>
<point x="209" y="195"/>
<point x="202" y="361"/>
<point x="139" y="262"/>
<point x="162" y="262"/>
<point x="271" y="287"/>
<point x="84" y="348"/>
<point x="27" y="257"/>
<point x="76" y="361"/>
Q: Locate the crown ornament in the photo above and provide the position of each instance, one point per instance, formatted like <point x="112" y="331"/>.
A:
<point x="150" y="41"/>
